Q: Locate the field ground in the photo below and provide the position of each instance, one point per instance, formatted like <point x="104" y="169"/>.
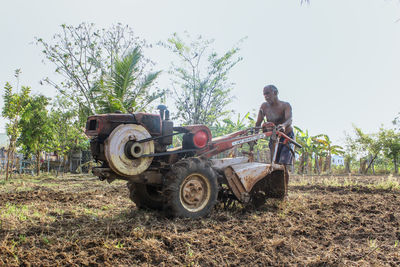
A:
<point x="78" y="220"/>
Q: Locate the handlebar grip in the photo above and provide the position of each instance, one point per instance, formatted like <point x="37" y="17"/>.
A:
<point x="296" y="144"/>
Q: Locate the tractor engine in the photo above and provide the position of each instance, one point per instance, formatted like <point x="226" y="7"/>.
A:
<point x="129" y="145"/>
<point x="120" y="140"/>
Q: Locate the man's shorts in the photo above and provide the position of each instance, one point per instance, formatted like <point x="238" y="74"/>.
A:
<point x="284" y="155"/>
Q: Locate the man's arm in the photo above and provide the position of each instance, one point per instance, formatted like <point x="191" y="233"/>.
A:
<point x="288" y="118"/>
<point x="260" y="117"/>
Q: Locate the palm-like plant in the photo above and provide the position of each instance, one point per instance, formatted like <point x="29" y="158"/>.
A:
<point x="126" y="88"/>
<point x="229" y="126"/>
<point x="330" y="150"/>
<point x="305" y="140"/>
<point x="319" y="151"/>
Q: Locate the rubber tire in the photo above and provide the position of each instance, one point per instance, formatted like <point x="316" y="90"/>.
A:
<point x="174" y="179"/>
<point x="145" y="196"/>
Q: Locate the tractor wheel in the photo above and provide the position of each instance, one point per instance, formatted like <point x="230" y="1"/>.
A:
<point x="146" y="196"/>
<point x="191" y="189"/>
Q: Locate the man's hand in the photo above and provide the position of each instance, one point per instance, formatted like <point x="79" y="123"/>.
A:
<point x="267" y="126"/>
<point x="281" y="128"/>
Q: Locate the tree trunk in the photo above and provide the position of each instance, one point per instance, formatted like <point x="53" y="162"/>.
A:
<point x="369" y="165"/>
<point x="320" y="163"/>
<point x="8" y="163"/>
<point x="316" y="167"/>
<point x="348" y="166"/>
<point x="64" y="164"/>
<point x="363" y="164"/>
<point x="301" y="164"/>
<point x="37" y="163"/>
<point x="10" y="159"/>
<point x="373" y="168"/>
<point x="305" y="169"/>
<point x="396" y="170"/>
<point x="329" y="162"/>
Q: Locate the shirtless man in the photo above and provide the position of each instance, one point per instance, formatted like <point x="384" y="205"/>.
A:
<point x="280" y="113"/>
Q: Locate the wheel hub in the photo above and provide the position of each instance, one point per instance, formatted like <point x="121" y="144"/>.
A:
<point x="195" y="192"/>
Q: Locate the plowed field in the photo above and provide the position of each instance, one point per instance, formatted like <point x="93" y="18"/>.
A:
<point x="78" y="220"/>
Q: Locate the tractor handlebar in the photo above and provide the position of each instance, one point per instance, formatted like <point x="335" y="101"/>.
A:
<point x="271" y="127"/>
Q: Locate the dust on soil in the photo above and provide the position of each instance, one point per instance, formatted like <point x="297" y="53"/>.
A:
<point x="78" y="220"/>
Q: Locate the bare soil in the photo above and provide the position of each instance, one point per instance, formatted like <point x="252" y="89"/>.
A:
<point x="78" y="220"/>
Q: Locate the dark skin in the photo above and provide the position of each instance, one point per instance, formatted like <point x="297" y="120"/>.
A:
<point x="276" y="111"/>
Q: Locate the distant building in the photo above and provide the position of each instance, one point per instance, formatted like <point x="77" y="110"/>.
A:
<point x="3" y="144"/>
<point x="337" y="160"/>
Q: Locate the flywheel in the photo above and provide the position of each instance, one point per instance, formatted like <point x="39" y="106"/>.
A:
<point x="123" y="152"/>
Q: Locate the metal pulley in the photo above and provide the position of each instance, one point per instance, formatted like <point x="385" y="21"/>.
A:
<point x="123" y="152"/>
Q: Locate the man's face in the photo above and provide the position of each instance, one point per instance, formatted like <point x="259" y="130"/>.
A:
<point x="269" y="96"/>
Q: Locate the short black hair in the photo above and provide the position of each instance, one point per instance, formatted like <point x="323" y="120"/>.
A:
<point x="272" y="88"/>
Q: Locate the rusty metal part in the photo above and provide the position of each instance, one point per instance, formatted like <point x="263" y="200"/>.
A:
<point x="242" y="177"/>
<point x="152" y="122"/>
<point x="103" y="124"/>
<point x="221" y="164"/>
<point x="117" y="158"/>
<point x="195" y="192"/>
<point x="148" y="177"/>
<point x="223" y="143"/>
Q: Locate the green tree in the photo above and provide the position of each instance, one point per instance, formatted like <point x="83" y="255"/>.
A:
<point x="124" y="89"/>
<point x="329" y="149"/>
<point x="390" y="140"/>
<point x="36" y="128"/>
<point x="306" y="141"/>
<point x="369" y="147"/>
<point x="318" y="148"/>
<point x="82" y="55"/>
<point x="350" y="152"/>
<point x="200" y="80"/>
<point x="228" y="126"/>
<point x="12" y="110"/>
<point x="68" y="135"/>
<point x="396" y="121"/>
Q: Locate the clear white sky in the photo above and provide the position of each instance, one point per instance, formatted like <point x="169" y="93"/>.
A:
<point x="337" y="62"/>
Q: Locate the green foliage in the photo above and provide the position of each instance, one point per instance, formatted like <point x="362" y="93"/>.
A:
<point x="367" y="143"/>
<point x="125" y="89"/>
<point x="374" y="149"/>
<point x="14" y="107"/>
<point x="36" y="128"/>
<point x="316" y="147"/>
<point x="390" y="140"/>
<point x="83" y="55"/>
<point x="227" y="126"/>
<point x="200" y="80"/>
<point x="68" y="135"/>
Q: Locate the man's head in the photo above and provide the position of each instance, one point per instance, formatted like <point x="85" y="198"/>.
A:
<point x="270" y="93"/>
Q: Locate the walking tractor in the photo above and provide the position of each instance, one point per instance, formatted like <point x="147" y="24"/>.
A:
<point x="183" y="181"/>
